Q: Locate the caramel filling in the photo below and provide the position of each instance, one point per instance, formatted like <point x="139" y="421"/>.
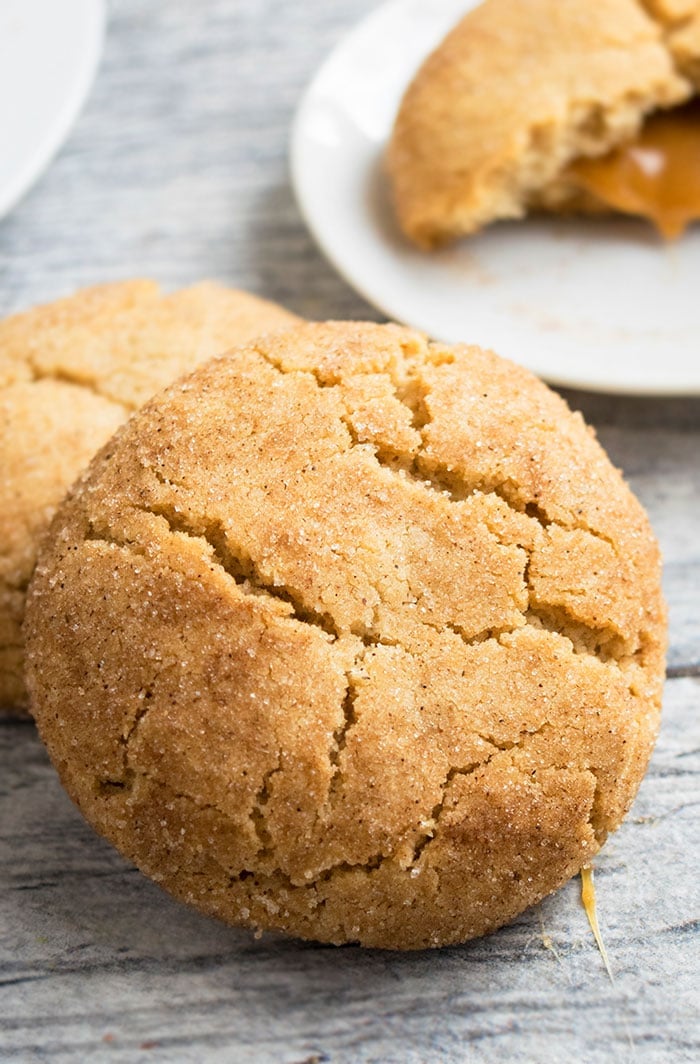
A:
<point x="657" y="175"/>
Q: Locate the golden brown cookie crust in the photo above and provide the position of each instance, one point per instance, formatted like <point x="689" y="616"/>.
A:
<point x="70" y="374"/>
<point x="680" y="19"/>
<point x="492" y="118"/>
<point x="353" y="636"/>
<point x="684" y="42"/>
<point x="671" y="12"/>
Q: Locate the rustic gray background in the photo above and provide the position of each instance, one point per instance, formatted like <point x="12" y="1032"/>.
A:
<point x="177" y="170"/>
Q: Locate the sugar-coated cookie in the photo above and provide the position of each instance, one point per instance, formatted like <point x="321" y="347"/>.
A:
<point x="70" y="373"/>
<point x="353" y="636"/>
<point x="518" y="90"/>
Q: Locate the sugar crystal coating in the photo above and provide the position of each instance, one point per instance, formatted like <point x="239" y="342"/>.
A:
<point x="351" y="635"/>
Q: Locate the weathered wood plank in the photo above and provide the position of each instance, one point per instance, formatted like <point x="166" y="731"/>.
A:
<point x="90" y="949"/>
<point x="663" y="468"/>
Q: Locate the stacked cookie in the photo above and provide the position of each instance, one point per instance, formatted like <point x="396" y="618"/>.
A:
<point x="343" y="633"/>
<point x="70" y="374"/>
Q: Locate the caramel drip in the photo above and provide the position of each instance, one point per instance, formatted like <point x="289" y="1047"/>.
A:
<point x="657" y="175"/>
<point x="589" y="904"/>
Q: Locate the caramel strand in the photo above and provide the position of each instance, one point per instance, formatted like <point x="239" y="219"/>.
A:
<point x="589" y="904"/>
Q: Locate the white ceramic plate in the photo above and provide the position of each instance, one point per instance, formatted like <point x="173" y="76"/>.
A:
<point x="593" y="304"/>
<point x="48" y="56"/>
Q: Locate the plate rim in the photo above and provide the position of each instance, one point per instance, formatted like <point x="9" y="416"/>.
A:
<point x="37" y="161"/>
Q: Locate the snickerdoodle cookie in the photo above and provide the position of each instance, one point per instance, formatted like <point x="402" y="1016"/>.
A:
<point x="498" y="116"/>
<point x="70" y="374"/>
<point x="351" y="635"/>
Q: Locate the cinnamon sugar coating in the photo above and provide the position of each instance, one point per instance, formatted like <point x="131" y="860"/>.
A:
<point x="352" y="636"/>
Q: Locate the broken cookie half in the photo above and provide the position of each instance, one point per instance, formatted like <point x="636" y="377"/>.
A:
<point x="559" y="105"/>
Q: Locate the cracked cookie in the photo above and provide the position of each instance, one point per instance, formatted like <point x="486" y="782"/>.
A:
<point x="351" y="635"/>
<point x="70" y="373"/>
<point x="543" y="105"/>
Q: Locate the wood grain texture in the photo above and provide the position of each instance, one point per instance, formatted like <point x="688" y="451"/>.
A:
<point x="177" y="169"/>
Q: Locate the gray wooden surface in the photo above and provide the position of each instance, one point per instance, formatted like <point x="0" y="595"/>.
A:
<point x="177" y="169"/>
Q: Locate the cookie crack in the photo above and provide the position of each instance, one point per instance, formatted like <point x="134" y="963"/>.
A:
<point x="124" y="740"/>
<point x="340" y="734"/>
<point x="241" y="567"/>
<point x="257" y="815"/>
<point x="444" y="479"/>
<point x="431" y="824"/>
<point x="76" y="380"/>
<point x="596" y="814"/>
<point x="94" y="533"/>
<point x="265" y="879"/>
<point x="262" y="882"/>
<point x="426" y="469"/>
<point x="125" y="785"/>
<point x="601" y="642"/>
<point x="109" y="787"/>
